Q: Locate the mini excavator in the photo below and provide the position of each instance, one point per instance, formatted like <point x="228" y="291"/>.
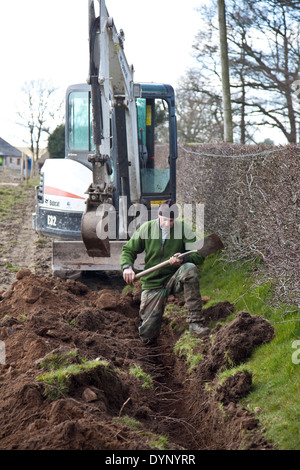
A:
<point x="120" y="157"/>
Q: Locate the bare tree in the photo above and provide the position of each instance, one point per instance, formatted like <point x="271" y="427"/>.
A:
<point x="200" y="91"/>
<point x="228" y="130"/>
<point x="264" y="42"/>
<point x="40" y="111"/>
<point x="264" y="57"/>
<point x="199" y="110"/>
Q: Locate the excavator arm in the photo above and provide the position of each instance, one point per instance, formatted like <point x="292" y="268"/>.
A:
<point x="111" y="81"/>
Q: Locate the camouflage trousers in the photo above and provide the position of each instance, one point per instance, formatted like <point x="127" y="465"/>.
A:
<point x="153" y="301"/>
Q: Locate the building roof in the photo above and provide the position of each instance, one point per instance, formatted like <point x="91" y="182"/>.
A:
<point x="8" y="150"/>
<point x="28" y="152"/>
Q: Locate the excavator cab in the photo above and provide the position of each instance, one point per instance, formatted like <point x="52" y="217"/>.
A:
<point x="155" y="164"/>
<point x="157" y="143"/>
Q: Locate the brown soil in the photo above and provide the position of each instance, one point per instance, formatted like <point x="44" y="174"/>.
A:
<point x="40" y="313"/>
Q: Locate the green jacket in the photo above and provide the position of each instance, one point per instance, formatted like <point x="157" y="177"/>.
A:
<point x="148" y="238"/>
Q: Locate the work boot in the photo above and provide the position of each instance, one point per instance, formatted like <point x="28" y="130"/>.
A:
<point x="149" y="341"/>
<point x="197" y="329"/>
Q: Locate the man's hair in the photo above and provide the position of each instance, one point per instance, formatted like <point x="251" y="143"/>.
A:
<point x="168" y="209"/>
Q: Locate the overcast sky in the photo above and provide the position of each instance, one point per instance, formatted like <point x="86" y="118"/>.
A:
<point x="49" y="40"/>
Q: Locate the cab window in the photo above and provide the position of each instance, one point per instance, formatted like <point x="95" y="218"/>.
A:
<point x="153" y="139"/>
<point x="80" y="125"/>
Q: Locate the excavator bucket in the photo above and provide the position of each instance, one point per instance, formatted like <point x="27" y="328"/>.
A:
<point x="70" y="256"/>
<point x="94" y="234"/>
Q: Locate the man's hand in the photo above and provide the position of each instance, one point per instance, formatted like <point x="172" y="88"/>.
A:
<point x="175" y="260"/>
<point x="128" y="275"/>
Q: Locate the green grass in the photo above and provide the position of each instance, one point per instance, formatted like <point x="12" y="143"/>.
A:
<point x="275" y="366"/>
<point x="58" y="360"/>
<point x="186" y="347"/>
<point x="11" y="267"/>
<point x="41" y="242"/>
<point x="60" y="367"/>
<point x="138" y="373"/>
<point x="9" y="198"/>
<point x="155" y="441"/>
<point x="32" y="182"/>
<point x="234" y="282"/>
<point x="130" y="422"/>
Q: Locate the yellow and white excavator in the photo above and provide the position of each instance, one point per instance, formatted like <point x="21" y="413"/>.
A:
<point x="120" y="157"/>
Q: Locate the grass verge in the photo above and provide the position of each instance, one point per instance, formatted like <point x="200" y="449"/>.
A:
<point x="9" y="198"/>
<point x="275" y="366"/>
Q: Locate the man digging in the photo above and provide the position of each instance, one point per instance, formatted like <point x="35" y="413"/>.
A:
<point x="159" y="238"/>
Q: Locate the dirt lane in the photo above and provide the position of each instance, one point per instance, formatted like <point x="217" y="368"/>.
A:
<point x="20" y="246"/>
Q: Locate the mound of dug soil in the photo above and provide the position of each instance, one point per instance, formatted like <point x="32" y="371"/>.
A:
<point x="115" y="393"/>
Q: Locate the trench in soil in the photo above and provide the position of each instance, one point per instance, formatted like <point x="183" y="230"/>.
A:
<point x="39" y="315"/>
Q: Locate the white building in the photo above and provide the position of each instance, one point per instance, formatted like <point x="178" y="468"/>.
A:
<point x="10" y="157"/>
